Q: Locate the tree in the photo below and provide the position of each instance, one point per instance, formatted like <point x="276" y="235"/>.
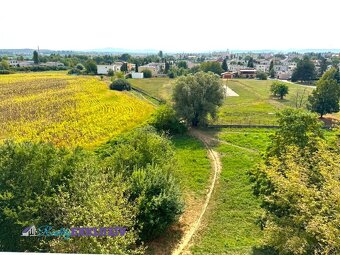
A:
<point x="225" y="65"/>
<point x="323" y="66"/>
<point x="182" y="64"/>
<point x="197" y="96"/>
<point x="160" y="54"/>
<point x="120" y="85"/>
<point x="212" y="66"/>
<point x="167" y="67"/>
<point x="4" y="65"/>
<point x="250" y="62"/>
<point x="305" y="70"/>
<point x="302" y="211"/>
<point x="325" y="98"/>
<point x="35" y="57"/>
<point x="279" y="89"/>
<point x="147" y="73"/>
<point x="125" y="57"/>
<point x="124" y="67"/>
<point x="165" y="120"/>
<point x="297" y="128"/>
<point x="271" y="69"/>
<point x="110" y="72"/>
<point x="298" y="187"/>
<point x="261" y="75"/>
<point x="91" y="67"/>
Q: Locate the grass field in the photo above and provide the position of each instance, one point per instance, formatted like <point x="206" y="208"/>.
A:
<point x="229" y="227"/>
<point x="65" y="110"/>
<point x="158" y="87"/>
<point x="255" y="105"/>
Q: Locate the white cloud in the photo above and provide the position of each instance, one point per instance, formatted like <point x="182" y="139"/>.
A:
<point x="177" y="25"/>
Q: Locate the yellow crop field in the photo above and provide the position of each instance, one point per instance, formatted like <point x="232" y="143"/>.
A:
<point x="65" y="110"/>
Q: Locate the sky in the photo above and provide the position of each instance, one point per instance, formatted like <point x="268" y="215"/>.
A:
<point x="173" y="25"/>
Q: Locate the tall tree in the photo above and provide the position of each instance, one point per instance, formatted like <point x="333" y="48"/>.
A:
<point x="305" y="70"/>
<point x="325" y="98"/>
<point x="225" y="65"/>
<point x="35" y="57"/>
<point x="160" y="54"/>
<point x="271" y="69"/>
<point x="197" y="96"/>
<point x="250" y="62"/>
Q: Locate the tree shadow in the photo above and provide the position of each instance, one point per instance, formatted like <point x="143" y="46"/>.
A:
<point x="264" y="250"/>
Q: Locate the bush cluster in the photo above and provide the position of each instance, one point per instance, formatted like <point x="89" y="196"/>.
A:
<point x="120" y="85"/>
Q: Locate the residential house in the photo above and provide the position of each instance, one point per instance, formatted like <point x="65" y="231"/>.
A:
<point x="228" y="75"/>
<point x="247" y="73"/>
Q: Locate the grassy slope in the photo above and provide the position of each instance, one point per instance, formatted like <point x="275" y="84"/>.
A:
<point x="194" y="166"/>
<point x="255" y="104"/>
<point x="158" y="87"/>
<point x="229" y="225"/>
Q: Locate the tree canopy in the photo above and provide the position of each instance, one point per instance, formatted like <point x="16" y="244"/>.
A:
<point x="305" y="70"/>
<point x="325" y="98"/>
<point x="279" y="89"/>
<point x="197" y="97"/>
<point x="212" y="66"/>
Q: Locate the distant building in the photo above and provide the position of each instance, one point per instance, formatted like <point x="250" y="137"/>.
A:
<point x="247" y="73"/>
<point x="104" y="69"/>
<point x="13" y="62"/>
<point x="137" y="75"/>
<point x="228" y="75"/>
<point x="26" y="63"/>
<point x="29" y="231"/>
<point x="56" y="64"/>
<point x="155" y="68"/>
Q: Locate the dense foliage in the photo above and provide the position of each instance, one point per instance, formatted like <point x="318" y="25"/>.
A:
<point x="165" y="119"/>
<point x="304" y="71"/>
<point x="120" y="85"/>
<point x="128" y="182"/>
<point x="147" y="73"/>
<point x="325" y="98"/>
<point x="197" y="97"/>
<point x="279" y="89"/>
<point x="299" y="186"/>
<point x="211" y="66"/>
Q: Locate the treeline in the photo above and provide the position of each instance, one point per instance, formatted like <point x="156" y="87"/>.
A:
<point x="127" y="182"/>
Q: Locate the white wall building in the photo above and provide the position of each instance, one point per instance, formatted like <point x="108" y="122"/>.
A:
<point x="137" y="75"/>
<point x="104" y="69"/>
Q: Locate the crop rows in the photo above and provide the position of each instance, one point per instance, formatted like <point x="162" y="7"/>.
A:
<point x="65" y="110"/>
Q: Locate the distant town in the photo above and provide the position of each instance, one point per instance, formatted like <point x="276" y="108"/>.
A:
<point x="144" y="65"/>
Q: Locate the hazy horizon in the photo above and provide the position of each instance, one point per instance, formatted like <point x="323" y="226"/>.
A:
<point x="178" y="26"/>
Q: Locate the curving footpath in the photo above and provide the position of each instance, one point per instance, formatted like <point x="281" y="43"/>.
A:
<point x="216" y="167"/>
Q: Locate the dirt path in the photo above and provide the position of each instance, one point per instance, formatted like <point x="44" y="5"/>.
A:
<point x="216" y="167"/>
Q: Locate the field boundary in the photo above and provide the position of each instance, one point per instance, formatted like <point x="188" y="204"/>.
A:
<point x="143" y="92"/>
<point x="242" y="126"/>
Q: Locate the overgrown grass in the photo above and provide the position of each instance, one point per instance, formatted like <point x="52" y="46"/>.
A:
<point x="194" y="165"/>
<point x="229" y="226"/>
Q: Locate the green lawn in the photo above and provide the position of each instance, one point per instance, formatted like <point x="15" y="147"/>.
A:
<point x="229" y="227"/>
<point x="255" y="105"/>
<point x="194" y="165"/>
<point x="158" y="87"/>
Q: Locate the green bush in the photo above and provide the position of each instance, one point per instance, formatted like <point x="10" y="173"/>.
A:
<point x="158" y="198"/>
<point x="120" y="85"/>
<point x="43" y="185"/>
<point x="165" y="119"/>
<point x="261" y="76"/>
<point x="147" y="73"/>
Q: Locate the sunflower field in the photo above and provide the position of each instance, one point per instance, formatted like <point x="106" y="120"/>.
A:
<point x="65" y="110"/>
